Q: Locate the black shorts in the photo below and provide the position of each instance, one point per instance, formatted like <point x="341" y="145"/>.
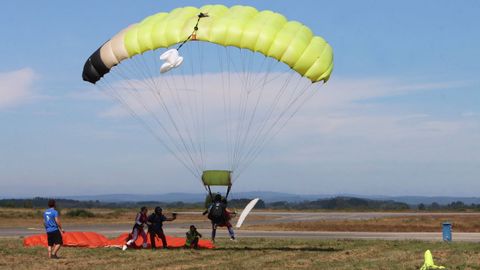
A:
<point x="54" y="238"/>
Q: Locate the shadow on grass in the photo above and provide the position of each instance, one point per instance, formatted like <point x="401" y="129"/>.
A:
<point x="317" y="249"/>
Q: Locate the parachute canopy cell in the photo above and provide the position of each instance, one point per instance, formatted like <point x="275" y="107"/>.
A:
<point x="266" y="32"/>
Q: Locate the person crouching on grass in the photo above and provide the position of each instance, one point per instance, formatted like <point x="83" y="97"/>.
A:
<point x="155" y="226"/>
<point x="54" y="229"/>
<point x="193" y="236"/>
<point x="140" y="221"/>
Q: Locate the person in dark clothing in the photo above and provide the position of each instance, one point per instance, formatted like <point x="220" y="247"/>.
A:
<point x="155" y="226"/>
<point x="193" y="236"/>
<point x="220" y="216"/>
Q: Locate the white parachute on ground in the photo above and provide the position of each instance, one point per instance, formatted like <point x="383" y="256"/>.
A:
<point x="246" y="211"/>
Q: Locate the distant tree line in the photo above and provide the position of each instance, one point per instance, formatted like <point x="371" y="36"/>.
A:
<point x="453" y="206"/>
<point x="341" y="203"/>
<point x="337" y="203"/>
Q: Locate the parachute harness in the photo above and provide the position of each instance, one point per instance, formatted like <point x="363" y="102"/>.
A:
<point x="193" y="35"/>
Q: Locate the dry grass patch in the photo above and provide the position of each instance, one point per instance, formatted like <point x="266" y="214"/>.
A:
<point x="427" y="223"/>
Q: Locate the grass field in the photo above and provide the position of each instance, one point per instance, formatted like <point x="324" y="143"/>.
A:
<point x="251" y="254"/>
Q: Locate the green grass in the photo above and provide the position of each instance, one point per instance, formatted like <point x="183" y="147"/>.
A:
<point x="252" y="253"/>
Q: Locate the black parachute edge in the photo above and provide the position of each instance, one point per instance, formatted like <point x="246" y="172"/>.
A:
<point x="94" y="68"/>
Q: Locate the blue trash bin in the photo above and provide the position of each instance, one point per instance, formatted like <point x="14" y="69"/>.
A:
<point x="447" y="231"/>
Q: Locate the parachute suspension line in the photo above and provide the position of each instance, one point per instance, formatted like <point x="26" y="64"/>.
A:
<point x="264" y="131"/>
<point x="224" y="65"/>
<point x="300" y="103"/>
<point x="246" y="64"/>
<point x="270" y="111"/>
<point x="193" y="35"/>
<point x="158" y="96"/>
<point x="196" y="116"/>
<point x="176" y="125"/>
<point x="160" y="99"/>
<point x="202" y="102"/>
<point x="262" y="134"/>
<point x="243" y="113"/>
<point x="165" y="130"/>
<point x="194" y="111"/>
<point x="242" y="107"/>
<point x="253" y="114"/>
<point x="175" y="93"/>
<point x="181" y="113"/>
<point x="110" y="90"/>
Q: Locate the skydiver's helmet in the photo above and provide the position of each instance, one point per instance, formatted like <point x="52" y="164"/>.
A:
<point x="217" y="198"/>
<point x="158" y="210"/>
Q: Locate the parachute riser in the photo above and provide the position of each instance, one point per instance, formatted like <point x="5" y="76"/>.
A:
<point x="211" y="194"/>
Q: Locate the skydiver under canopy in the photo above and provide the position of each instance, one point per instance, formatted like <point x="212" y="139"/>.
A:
<point x="220" y="216"/>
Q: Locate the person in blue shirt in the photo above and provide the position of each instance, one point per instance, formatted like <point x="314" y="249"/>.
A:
<point x="53" y="227"/>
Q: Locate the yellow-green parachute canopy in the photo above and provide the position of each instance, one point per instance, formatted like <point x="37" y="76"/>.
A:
<point x="245" y="27"/>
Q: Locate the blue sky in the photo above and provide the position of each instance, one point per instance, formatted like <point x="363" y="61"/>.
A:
<point x="400" y="115"/>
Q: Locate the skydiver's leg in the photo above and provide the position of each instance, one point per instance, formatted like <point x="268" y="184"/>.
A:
<point x="214" y="231"/>
<point x="49" y="251"/>
<point x="152" y="239"/>
<point x="144" y="237"/>
<point x="56" y="247"/>
<point x="194" y="243"/>
<point x="58" y="244"/>
<point x="230" y="231"/>
<point x="134" y="237"/>
<point x="161" y="234"/>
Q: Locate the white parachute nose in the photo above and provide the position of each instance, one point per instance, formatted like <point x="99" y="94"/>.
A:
<point x="172" y="60"/>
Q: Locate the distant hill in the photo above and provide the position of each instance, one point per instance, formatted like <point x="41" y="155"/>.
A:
<point x="195" y="197"/>
<point x="414" y="200"/>
<point x="268" y="197"/>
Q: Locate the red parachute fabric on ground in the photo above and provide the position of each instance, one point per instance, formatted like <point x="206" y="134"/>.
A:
<point x="173" y="242"/>
<point x="95" y="240"/>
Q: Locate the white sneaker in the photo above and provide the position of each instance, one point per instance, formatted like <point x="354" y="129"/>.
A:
<point x="129" y="242"/>
<point x="144" y="245"/>
<point x="124" y="247"/>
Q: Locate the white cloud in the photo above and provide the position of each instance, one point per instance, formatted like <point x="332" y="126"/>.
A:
<point x="16" y="87"/>
<point x="338" y="126"/>
<point x="344" y="93"/>
<point x="346" y="123"/>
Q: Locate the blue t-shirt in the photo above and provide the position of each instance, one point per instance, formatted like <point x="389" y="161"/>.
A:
<point x="49" y="220"/>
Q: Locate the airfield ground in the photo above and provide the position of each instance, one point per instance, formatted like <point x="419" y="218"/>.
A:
<point x="268" y="240"/>
<point x="252" y="253"/>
